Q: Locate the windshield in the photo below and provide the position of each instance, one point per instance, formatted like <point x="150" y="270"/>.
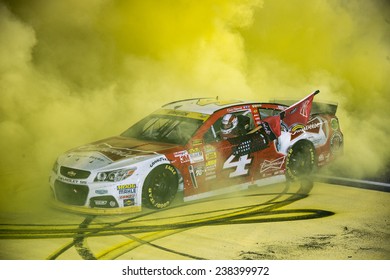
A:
<point x="164" y="128"/>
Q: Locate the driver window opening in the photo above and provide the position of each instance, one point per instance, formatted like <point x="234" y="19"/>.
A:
<point x="230" y="126"/>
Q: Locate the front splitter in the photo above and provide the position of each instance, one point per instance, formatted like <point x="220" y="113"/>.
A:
<point x="95" y="211"/>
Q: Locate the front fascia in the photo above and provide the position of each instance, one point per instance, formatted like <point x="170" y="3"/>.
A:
<point x="126" y="193"/>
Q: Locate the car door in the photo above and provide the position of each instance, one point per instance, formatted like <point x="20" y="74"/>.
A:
<point x="228" y="161"/>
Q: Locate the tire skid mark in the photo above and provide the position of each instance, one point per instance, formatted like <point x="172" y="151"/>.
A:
<point x="60" y="251"/>
<point x="27" y="231"/>
<point x="125" y="247"/>
<point x="80" y="242"/>
<point x="302" y="192"/>
<point x="135" y="242"/>
<point x="142" y="224"/>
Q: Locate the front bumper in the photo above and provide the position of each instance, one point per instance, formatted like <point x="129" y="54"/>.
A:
<point x="94" y="211"/>
<point x="86" y="196"/>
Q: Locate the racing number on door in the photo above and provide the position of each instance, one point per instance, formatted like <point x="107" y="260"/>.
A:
<point x="239" y="165"/>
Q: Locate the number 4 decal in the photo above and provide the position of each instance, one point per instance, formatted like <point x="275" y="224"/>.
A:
<point x="240" y="165"/>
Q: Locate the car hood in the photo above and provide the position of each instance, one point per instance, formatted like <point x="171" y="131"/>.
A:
<point x="115" y="151"/>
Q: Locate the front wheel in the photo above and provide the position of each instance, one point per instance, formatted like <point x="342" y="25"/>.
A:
<point x="160" y="187"/>
<point x="300" y="160"/>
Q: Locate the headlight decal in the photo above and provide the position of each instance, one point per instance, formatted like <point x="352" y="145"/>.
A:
<point x="115" y="175"/>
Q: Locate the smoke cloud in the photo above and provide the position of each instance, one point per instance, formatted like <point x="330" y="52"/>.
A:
<point x="76" y="71"/>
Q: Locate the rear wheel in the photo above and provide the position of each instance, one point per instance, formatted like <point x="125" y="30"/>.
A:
<point x="300" y="161"/>
<point x="160" y="187"/>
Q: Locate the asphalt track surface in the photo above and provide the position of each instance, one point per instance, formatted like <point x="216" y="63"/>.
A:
<point x="298" y="221"/>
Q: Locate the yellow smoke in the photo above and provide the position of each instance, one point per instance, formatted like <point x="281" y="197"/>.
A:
<point x="76" y="71"/>
<point x="339" y="47"/>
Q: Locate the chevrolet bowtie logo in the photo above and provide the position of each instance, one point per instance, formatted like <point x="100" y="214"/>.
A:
<point x="71" y="173"/>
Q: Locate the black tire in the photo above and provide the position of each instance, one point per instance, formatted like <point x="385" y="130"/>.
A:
<point x="300" y="161"/>
<point x="160" y="187"/>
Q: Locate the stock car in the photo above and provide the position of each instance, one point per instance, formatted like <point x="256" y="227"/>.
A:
<point x="179" y="148"/>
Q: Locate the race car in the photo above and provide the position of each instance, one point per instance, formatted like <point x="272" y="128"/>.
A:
<point x="202" y="147"/>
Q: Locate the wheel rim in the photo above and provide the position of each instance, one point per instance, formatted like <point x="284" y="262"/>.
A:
<point x="161" y="187"/>
<point x="300" y="162"/>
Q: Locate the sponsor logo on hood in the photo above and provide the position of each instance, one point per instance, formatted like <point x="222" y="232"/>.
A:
<point x="118" y="148"/>
<point x="113" y="153"/>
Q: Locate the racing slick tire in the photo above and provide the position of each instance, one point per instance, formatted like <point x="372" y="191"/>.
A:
<point x="300" y="161"/>
<point x="160" y="187"/>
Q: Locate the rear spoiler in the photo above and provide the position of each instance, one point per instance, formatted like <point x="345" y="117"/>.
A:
<point x="317" y="107"/>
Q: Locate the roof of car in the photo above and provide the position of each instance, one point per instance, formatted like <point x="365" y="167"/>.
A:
<point x="203" y="105"/>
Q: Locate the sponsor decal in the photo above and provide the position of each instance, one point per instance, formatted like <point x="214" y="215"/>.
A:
<point x="232" y="110"/>
<point x="129" y="202"/>
<point x="334" y="124"/>
<point x="171" y="168"/>
<point x="196" y="155"/>
<point x="100" y="202"/>
<point x="177" y="113"/>
<point x="237" y="109"/>
<point x="71" y="181"/>
<point x="209" y="149"/>
<point x="305" y="109"/>
<point x="297" y="129"/>
<point x="256" y="117"/>
<point x="199" y="170"/>
<point x="77" y="156"/>
<point x="126" y="196"/>
<point x="210" y="170"/>
<point x="336" y="143"/>
<point x="191" y="115"/>
<point x="197" y="142"/>
<point x="106" y="149"/>
<point x="180" y="153"/>
<point x="154" y="202"/>
<point x="126" y="189"/>
<point x="210" y="156"/>
<point x="101" y="191"/>
<point x="183" y="156"/>
<point x="128" y="186"/>
<point x="160" y="159"/>
<point x="93" y="158"/>
<point x="211" y="163"/>
<point x="272" y="165"/>
<point x="313" y="126"/>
